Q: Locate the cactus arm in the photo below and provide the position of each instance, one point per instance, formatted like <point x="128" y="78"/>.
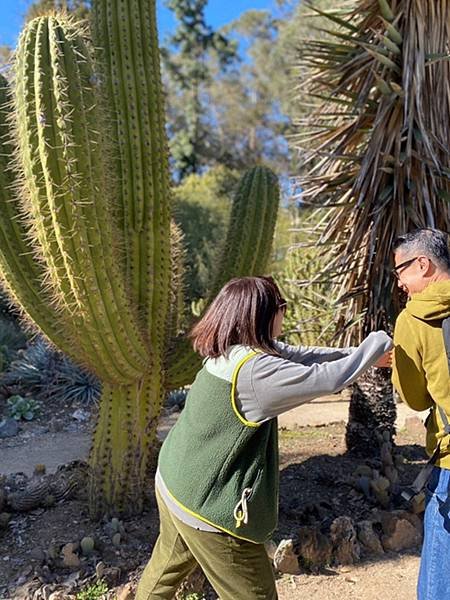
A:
<point x="246" y="251"/>
<point x="27" y="149"/>
<point x="68" y="159"/>
<point x="23" y="277"/>
<point x="248" y="244"/>
<point x="125" y="33"/>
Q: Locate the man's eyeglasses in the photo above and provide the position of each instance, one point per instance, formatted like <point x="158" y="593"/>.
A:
<point x="402" y="266"/>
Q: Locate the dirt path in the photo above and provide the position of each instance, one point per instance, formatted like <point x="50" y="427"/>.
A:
<point x="392" y="578"/>
<point x="54" y="449"/>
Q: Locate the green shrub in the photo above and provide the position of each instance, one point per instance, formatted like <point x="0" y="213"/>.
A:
<point x="93" y="592"/>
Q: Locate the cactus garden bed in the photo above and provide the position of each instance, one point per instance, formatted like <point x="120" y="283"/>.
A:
<point x="54" y="551"/>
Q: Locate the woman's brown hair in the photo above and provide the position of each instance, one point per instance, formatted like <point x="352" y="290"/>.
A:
<point x="241" y="313"/>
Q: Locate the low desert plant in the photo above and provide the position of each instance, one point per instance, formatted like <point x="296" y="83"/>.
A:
<point x="23" y="408"/>
<point x="44" y="372"/>
<point x="94" y="591"/>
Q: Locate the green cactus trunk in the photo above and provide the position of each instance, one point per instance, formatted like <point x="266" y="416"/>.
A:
<point x="123" y="448"/>
<point x="87" y="248"/>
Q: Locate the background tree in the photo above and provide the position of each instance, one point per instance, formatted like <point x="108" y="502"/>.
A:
<point x="187" y="70"/>
<point x="378" y="160"/>
<point x="202" y="204"/>
<point x="248" y="100"/>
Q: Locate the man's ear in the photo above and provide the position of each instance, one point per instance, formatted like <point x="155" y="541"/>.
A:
<point x="426" y="265"/>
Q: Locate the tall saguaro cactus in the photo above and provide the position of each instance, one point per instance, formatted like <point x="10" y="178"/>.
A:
<point x="87" y="248"/>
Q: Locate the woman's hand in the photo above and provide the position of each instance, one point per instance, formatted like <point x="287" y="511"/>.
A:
<point x="385" y="361"/>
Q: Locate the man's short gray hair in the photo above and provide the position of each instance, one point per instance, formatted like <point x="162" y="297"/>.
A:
<point x="432" y="243"/>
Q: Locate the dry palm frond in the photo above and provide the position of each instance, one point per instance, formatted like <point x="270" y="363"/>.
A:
<point x="376" y="148"/>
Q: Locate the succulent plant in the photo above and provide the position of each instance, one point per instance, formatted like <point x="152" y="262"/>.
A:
<point x="87" y="545"/>
<point x="44" y="372"/>
<point x="87" y="248"/>
<point x="23" y="408"/>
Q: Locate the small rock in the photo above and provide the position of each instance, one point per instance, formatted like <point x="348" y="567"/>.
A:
<point x="403" y="536"/>
<point x="39" y="470"/>
<point x="368" y="538"/>
<point x="71" y="582"/>
<point x="285" y="559"/>
<point x="37" y="553"/>
<point x="112" y="576"/>
<point x="81" y="415"/>
<point x="346" y="547"/>
<point x="8" y="428"/>
<point x="58" y="595"/>
<point x="271" y="548"/>
<point x="100" y="569"/>
<point x="313" y="548"/>
<point x="125" y="593"/>
<point x="70" y="559"/>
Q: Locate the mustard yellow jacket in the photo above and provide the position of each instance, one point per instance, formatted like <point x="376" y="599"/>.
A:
<point x="420" y="370"/>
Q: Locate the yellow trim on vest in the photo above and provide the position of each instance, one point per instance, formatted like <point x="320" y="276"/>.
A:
<point x="197" y="516"/>
<point x="233" y="390"/>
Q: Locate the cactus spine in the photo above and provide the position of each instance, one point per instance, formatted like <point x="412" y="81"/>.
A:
<point x="89" y="251"/>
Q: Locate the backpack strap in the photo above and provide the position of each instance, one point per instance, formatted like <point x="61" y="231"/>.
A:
<point x="425" y="473"/>
<point x="446" y="335"/>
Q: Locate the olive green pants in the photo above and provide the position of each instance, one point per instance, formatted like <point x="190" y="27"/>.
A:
<point x="236" y="569"/>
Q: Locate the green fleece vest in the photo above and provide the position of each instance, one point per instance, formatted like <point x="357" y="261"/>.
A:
<point x="219" y="467"/>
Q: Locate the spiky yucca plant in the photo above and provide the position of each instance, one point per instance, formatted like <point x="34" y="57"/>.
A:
<point x="377" y="155"/>
<point x="86" y="243"/>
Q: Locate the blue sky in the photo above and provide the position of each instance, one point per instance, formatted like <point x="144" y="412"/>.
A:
<point x="218" y="12"/>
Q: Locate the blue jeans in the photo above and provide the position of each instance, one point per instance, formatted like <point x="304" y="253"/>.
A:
<point x="434" y="574"/>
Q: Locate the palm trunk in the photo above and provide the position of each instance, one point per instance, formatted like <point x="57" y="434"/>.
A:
<point x="372" y="413"/>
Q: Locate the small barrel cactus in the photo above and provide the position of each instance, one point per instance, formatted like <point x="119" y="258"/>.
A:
<point x="87" y="545"/>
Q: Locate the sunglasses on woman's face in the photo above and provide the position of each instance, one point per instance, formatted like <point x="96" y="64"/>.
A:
<point x="282" y="305"/>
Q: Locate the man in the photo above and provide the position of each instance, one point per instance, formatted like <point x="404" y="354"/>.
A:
<point x="421" y="377"/>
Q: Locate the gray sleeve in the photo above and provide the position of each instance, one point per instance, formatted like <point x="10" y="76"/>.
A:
<point x="268" y="386"/>
<point x="309" y="355"/>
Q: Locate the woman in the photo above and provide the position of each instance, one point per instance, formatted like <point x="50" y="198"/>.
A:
<point x="217" y="478"/>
